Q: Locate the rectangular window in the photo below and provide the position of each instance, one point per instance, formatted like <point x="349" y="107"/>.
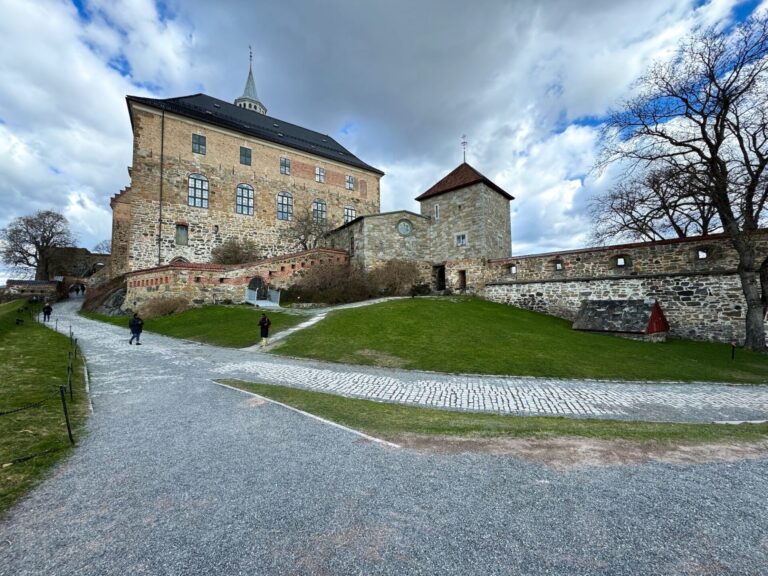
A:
<point x="284" y="206"/>
<point x="182" y="234"/>
<point x="702" y="254"/>
<point x="318" y="211"/>
<point x="244" y="200"/>
<point x="349" y="214"/>
<point x="513" y="269"/>
<point x="245" y="156"/>
<point x="285" y="166"/>
<point x="350" y="180"/>
<point x="461" y="240"/>
<point x="198" y="192"/>
<point x="319" y="174"/>
<point x="198" y="144"/>
<point x="437" y="211"/>
<point x="620" y="261"/>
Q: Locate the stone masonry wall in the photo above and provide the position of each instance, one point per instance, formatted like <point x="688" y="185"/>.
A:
<point x="221" y="166"/>
<point x="697" y="306"/>
<point x="378" y="239"/>
<point x="664" y="257"/>
<point x="477" y="211"/>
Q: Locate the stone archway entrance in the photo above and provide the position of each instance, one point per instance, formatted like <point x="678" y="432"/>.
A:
<point x="257" y="289"/>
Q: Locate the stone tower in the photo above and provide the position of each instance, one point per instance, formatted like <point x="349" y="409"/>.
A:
<point x="250" y="100"/>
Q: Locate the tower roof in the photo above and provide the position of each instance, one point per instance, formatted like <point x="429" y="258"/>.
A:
<point x="249" y="92"/>
<point x="464" y="175"/>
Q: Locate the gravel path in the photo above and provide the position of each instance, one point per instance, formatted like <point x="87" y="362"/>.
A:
<point x="179" y="476"/>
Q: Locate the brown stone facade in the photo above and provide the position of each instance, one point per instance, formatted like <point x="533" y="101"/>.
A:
<point x="146" y="214"/>
<point x="212" y="283"/>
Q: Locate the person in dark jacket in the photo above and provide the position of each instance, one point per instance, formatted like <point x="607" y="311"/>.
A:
<point x="136" y="325"/>
<point x="47" y="309"/>
<point x="264" y="324"/>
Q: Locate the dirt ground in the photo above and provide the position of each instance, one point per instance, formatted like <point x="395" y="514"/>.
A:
<point x="564" y="453"/>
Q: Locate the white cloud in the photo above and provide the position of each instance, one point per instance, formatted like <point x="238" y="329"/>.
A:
<point x="408" y="78"/>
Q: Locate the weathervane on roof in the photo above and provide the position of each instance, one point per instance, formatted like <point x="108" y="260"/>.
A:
<point x="250" y="54"/>
<point x="464" y="143"/>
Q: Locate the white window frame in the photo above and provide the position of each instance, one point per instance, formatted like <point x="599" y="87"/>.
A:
<point x="319" y="174"/>
<point x="285" y="166"/>
<point x="350" y="213"/>
<point x="349" y="182"/>
<point x="319" y="211"/>
<point x="461" y="239"/>
<point x="197" y="195"/>
<point x="284" y="206"/>
<point x="244" y="200"/>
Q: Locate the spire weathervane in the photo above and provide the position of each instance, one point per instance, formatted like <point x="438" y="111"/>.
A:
<point x="250" y="54"/>
<point x="464" y="143"/>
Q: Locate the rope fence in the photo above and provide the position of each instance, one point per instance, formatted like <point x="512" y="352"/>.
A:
<point x="60" y="391"/>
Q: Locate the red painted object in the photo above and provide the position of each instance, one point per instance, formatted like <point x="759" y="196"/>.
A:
<point x="657" y="322"/>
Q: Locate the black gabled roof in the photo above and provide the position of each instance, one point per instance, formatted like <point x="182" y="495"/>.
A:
<point x="220" y="113"/>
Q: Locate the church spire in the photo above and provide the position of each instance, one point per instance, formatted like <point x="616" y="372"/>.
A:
<point x="249" y="99"/>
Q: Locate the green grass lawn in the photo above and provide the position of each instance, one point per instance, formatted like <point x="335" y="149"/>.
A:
<point x="230" y="326"/>
<point x="389" y="420"/>
<point x="34" y="365"/>
<point x="475" y="336"/>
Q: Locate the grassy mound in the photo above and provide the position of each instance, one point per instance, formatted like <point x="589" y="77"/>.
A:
<point x="465" y="335"/>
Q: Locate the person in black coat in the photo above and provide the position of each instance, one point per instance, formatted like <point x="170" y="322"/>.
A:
<point x="47" y="309"/>
<point x="264" y="324"/>
<point x="136" y="325"/>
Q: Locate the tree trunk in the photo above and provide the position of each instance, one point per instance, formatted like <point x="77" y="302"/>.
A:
<point x="755" y="326"/>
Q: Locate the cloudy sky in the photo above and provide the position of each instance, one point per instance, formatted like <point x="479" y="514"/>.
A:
<point x="398" y="82"/>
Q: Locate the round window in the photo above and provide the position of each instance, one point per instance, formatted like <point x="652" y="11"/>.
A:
<point x="404" y="227"/>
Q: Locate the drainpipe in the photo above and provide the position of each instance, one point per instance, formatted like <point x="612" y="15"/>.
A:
<point x="160" y="217"/>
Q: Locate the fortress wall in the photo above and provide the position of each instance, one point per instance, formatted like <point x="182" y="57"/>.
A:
<point x="706" y="306"/>
<point x="211" y="283"/>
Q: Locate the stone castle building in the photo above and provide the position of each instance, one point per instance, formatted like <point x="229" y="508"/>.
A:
<point x="205" y="171"/>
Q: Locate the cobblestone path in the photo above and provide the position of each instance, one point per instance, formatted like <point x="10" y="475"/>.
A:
<point x="672" y="402"/>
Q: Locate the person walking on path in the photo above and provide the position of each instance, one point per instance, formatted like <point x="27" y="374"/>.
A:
<point x="136" y="325"/>
<point x="264" y="323"/>
<point x="47" y="309"/>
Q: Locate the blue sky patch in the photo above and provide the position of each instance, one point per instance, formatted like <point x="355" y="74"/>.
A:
<point x="121" y="64"/>
<point x="82" y="11"/>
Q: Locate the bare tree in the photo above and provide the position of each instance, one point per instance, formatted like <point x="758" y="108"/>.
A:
<point x="29" y="242"/>
<point x="704" y="113"/>
<point x="235" y="252"/>
<point x="306" y="230"/>
<point x="653" y="205"/>
<point x="103" y="247"/>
